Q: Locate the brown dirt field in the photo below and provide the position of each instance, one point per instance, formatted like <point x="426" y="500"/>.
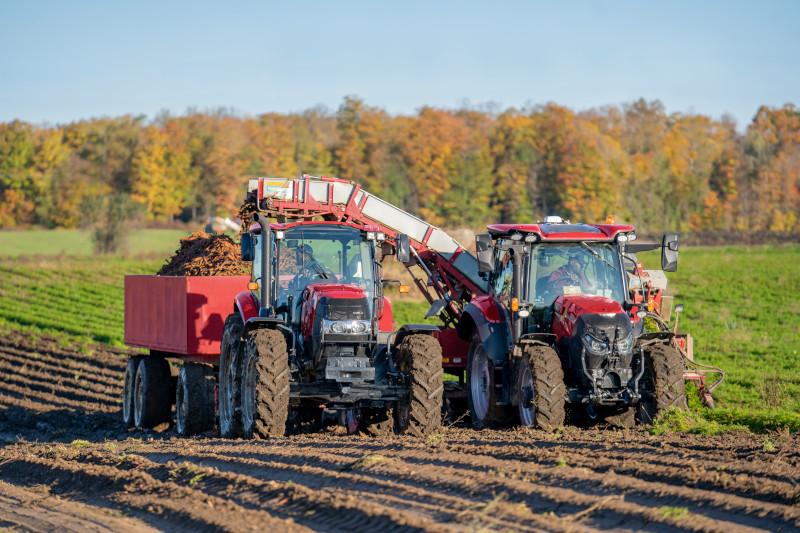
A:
<point x="67" y="463"/>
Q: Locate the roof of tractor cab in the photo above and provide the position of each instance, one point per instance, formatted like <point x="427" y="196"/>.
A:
<point x="562" y="232"/>
<point x="317" y="223"/>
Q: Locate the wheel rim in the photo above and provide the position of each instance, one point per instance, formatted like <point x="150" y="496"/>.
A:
<point x="181" y="410"/>
<point x="527" y="393"/>
<point x="139" y="399"/>
<point x="480" y="382"/>
<point x="249" y="394"/>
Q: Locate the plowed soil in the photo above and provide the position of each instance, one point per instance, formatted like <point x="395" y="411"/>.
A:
<point x="67" y="463"/>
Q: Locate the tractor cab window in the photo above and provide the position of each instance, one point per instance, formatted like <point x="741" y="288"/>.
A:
<point x="309" y="255"/>
<point x="572" y="268"/>
<point x="501" y="286"/>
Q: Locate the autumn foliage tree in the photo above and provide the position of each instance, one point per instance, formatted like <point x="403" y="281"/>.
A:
<point x="660" y="171"/>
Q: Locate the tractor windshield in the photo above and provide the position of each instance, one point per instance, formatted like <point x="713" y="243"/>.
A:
<point x="322" y="255"/>
<point x="574" y="268"/>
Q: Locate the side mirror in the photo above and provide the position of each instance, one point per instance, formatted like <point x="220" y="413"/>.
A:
<point x="248" y="251"/>
<point x="483" y="246"/>
<point x="403" y="247"/>
<point x="669" y="252"/>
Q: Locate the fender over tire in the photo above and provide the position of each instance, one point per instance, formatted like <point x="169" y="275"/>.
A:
<point x="194" y="399"/>
<point x="265" y="384"/>
<point x="230" y="377"/>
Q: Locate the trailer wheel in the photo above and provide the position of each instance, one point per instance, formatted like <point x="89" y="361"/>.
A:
<point x="128" y="396"/>
<point x="481" y="397"/>
<point x="663" y="385"/>
<point x="420" y="356"/>
<point x="540" y="388"/>
<point x="230" y="377"/>
<point x="265" y="385"/>
<point x="194" y="399"/>
<point x="152" y="403"/>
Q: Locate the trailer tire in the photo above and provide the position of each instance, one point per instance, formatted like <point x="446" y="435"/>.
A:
<point x="153" y="387"/>
<point x="481" y="395"/>
<point x="541" y="390"/>
<point x="420" y="356"/>
<point x="128" y="396"/>
<point x="230" y="377"/>
<point x="265" y="384"/>
<point x="663" y="386"/>
<point x="194" y="399"/>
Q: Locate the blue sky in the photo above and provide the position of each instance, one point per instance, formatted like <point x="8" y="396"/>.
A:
<point x="66" y="61"/>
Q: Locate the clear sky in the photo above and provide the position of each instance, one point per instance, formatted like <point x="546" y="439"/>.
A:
<point x="63" y="61"/>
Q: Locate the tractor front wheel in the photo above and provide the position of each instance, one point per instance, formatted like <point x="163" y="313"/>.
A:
<point x="663" y="385"/>
<point x="420" y="356"/>
<point x="194" y="399"/>
<point x="265" y="384"/>
<point x="540" y="388"/>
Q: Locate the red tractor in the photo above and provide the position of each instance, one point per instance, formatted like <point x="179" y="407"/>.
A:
<point x="558" y="332"/>
<point x="314" y="333"/>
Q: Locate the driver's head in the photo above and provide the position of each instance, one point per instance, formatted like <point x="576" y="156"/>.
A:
<point x="305" y="250"/>
<point x="574" y="265"/>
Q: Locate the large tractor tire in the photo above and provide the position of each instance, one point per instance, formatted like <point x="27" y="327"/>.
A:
<point x="265" y="385"/>
<point x="153" y="393"/>
<point x="420" y="356"/>
<point x="230" y="377"/>
<point x="129" y="392"/>
<point x="481" y="394"/>
<point x="540" y="388"/>
<point x="194" y="399"/>
<point x="663" y="385"/>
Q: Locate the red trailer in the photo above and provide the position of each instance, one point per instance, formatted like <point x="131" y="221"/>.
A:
<point x="174" y="317"/>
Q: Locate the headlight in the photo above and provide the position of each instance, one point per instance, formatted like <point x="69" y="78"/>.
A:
<point x="626" y="345"/>
<point x="595" y="346"/>
<point x="339" y="327"/>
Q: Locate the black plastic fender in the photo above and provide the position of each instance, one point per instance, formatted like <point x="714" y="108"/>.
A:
<point x="492" y="334"/>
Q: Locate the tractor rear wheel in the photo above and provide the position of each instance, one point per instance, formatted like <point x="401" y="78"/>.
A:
<point x="420" y="356"/>
<point x="540" y="388"/>
<point x="152" y="392"/>
<point x="194" y="399"/>
<point x="128" y="392"/>
<point x="663" y="385"/>
<point x="481" y="397"/>
<point x="230" y="377"/>
<point x="265" y="384"/>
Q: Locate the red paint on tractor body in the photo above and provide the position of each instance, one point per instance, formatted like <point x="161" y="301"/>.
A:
<point x="568" y="307"/>
<point x="488" y="307"/>
<point x="312" y="295"/>
<point x="248" y="305"/>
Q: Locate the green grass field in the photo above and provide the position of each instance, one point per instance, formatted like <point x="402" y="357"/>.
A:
<point x="140" y="242"/>
<point x="741" y="307"/>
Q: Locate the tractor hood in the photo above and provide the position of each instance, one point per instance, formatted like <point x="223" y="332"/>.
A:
<point x="568" y="308"/>
<point x="333" y="302"/>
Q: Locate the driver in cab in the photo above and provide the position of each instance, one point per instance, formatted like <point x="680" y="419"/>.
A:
<point x="311" y="268"/>
<point x="570" y="274"/>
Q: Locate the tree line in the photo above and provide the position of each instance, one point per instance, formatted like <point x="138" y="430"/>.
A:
<point x="658" y="171"/>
